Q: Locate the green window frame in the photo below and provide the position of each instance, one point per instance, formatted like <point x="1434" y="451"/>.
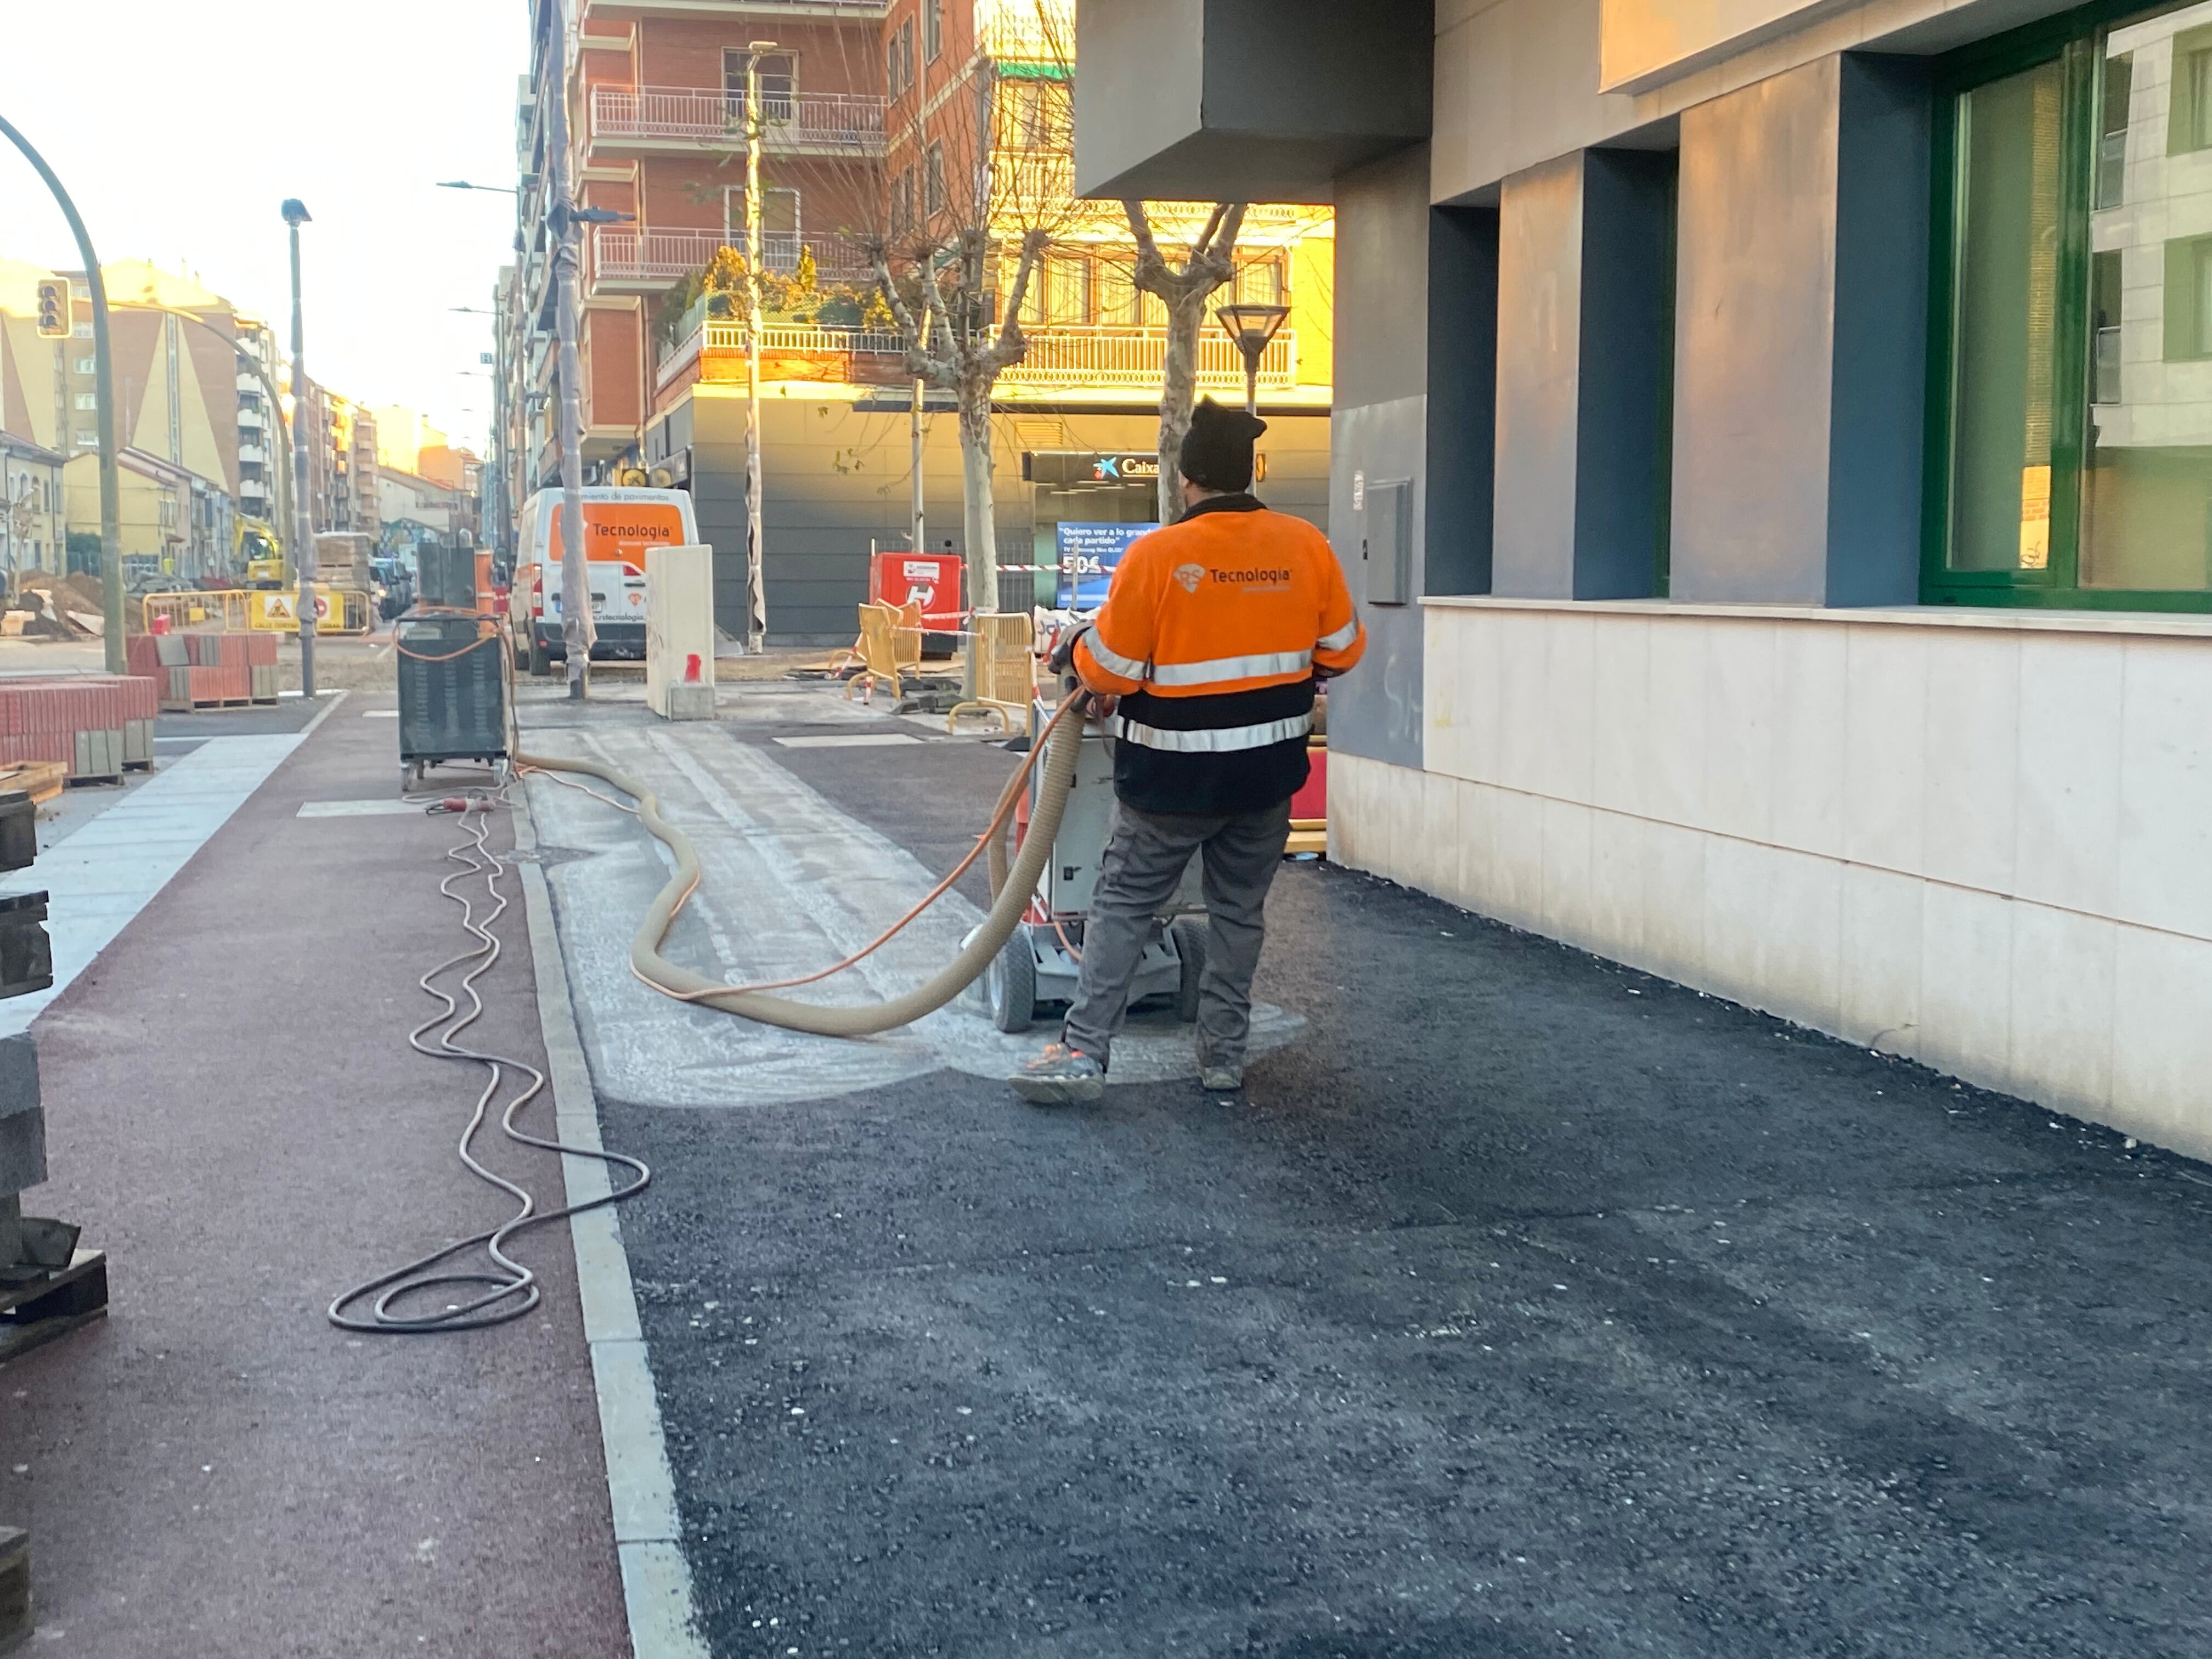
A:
<point x="2084" y="368"/>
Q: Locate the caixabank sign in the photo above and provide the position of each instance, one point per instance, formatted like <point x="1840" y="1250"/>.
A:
<point x="1059" y="468"/>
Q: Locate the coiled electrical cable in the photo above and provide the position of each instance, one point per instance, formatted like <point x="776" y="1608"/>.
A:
<point x="508" y="1289"/>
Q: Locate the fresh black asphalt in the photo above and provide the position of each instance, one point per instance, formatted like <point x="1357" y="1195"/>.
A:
<point x="1527" y="1305"/>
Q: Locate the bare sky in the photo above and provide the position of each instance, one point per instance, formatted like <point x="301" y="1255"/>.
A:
<point x="178" y="129"/>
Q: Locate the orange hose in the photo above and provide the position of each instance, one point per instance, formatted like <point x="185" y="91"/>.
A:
<point x="1007" y="799"/>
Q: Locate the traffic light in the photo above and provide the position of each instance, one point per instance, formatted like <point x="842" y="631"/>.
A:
<point x="54" y="320"/>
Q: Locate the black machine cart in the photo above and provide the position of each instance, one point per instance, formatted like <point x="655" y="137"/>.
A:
<point x="453" y="692"/>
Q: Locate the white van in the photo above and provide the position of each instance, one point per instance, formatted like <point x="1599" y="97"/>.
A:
<point x="619" y="525"/>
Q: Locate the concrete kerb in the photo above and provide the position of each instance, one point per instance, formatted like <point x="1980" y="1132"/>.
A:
<point x="641" y="1489"/>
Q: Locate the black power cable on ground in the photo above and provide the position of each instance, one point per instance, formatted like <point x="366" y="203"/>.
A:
<point x="508" y="1290"/>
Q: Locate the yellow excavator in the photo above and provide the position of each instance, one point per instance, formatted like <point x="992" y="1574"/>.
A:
<point x="259" y="553"/>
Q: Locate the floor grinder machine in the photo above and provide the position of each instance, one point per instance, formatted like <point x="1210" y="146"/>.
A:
<point x="1038" y="964"/>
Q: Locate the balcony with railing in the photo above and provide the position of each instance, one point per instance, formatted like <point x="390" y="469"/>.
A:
<point x="1133" y="359"/>
<point x="1124" y="361"/>
<point x="807" y="123"/>
<point x="623" y="256"/>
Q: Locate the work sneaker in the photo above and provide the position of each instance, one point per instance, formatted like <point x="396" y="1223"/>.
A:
<point x="1221" y="1079"/>
<point x="1061" y="1076"/>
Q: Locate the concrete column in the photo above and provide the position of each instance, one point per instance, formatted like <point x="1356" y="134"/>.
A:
<point x="1584" y="338"/>
<point x="1801" y="323"/>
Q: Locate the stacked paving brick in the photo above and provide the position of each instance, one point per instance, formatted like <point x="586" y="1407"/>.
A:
<point x="48" y="1286"/>
<point x="94" y="724"/>
<point x="196" y="670"/>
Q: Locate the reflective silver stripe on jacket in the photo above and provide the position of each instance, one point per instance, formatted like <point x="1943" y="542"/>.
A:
<point x="1231" y="668"/>
<point x="1113" y="661"/>
<point x="1343" y="637"/>
<point x="1221" y="740"/>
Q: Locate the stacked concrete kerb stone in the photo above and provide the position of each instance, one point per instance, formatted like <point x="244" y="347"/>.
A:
<point x="48" y="1286"/>
<point x="22" y="1140"/>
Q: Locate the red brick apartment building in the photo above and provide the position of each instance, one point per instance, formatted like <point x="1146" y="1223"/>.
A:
<point x="865" y="104"/>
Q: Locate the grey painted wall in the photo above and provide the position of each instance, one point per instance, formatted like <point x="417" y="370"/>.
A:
<point x="1539" y="362"/>
<point x="1877" y="463"/>
<point x="1376" y="710"/>
<point x="1625" y="415"/>
<point x="1289" y="94"/>
<point x="1517" y="80"/>
<point x="1462" y="406"/>
<point x="1321" y="69"/>
<point x="1802" y="360"/>
<point x="1380" y="430"/>
<point x="1585" y="335"/>
<point x="1755" y="342"/>
<point x="1140" y="92"/>
<point x="1382" y="281"/>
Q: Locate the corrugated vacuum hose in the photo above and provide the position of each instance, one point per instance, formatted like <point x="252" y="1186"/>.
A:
<point x="1011" y="893"/>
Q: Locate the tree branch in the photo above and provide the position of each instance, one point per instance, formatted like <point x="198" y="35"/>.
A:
<point x="1012" y="348"/>
<point x="1198" y="248"/>
<point x="919" y="363"/>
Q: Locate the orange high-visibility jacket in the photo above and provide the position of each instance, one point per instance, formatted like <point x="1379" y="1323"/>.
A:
<point x="1211" y="635"/>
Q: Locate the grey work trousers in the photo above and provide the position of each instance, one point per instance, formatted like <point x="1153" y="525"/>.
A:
<point x="1145" y="855"/>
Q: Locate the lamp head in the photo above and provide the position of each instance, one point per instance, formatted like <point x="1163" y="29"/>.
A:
<point x="1252" y="325"/>
<point x="294" y="211"/>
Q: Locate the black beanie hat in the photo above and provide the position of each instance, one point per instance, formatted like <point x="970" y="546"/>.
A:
<point x="1216" y="452"/>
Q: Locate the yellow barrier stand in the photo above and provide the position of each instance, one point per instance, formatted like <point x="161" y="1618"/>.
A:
<point x="1005" y="668"/>
<point x="337" y="611"/>
<point x="263" y="610"/>
<point x="222" y="610"/>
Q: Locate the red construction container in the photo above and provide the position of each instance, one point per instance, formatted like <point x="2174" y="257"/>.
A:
<point x="932" y="578"/>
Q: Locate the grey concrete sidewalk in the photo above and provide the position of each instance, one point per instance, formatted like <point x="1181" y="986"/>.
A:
<point x="234" y="1115"/>
<point x="1525" y="1305"/>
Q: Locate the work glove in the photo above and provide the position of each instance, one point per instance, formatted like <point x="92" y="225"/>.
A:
<point x="1062" y="661"/>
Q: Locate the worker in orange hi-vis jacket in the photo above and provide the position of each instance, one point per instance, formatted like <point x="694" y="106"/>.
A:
<point x="1204" y="659"/>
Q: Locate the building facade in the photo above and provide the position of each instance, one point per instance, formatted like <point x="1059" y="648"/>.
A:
<point x="341" y="493"/>
<point x="1771" y="454"/>
<point x="183" y="398"/>
<point x="173" y="525"/>
<point x="34" y="507"/>
<point x="861" y="102"/>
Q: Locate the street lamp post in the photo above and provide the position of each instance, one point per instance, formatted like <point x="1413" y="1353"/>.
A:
<point x="494" y="508"/>
<point x="501" y="508"/>
<point x="111" y="489"/>
<point x="575" y="577"/>
<point x="566" y="219"/>
<point x="1252" y="326"/>
<point x="295" y="215"/>
<point x="756" y="554"/>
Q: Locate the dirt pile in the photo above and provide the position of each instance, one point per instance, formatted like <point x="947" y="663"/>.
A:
<point x="61" y="607"/>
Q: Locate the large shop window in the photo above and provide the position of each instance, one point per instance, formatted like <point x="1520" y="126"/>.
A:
<point x="2071" y="457"/>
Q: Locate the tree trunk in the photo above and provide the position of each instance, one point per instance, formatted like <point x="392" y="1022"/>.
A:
<point x="1178" y="394"/>
<point x="981" y="510"/>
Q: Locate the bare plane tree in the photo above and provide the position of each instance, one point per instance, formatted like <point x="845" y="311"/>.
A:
<point x="977" y="189"/>
<point x="1208" y="263"/>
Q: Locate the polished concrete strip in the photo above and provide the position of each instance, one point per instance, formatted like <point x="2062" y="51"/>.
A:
<point x="791" y="884"/>
<point x="858" y="740"/>
<point x="392" y="807"/>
